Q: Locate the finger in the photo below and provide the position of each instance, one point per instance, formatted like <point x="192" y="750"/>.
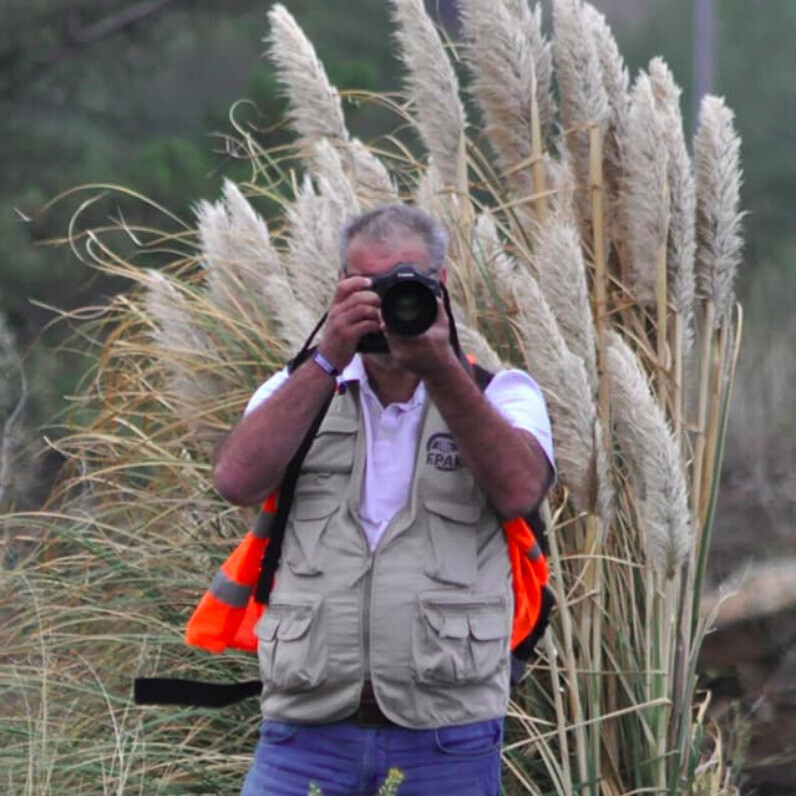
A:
<point x="350" y="286"/>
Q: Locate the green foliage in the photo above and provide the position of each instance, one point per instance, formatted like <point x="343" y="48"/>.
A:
<point x="173" y="171"/>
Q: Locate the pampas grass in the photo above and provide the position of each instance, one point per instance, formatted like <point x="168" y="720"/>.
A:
<point x="314" y="105"/>
<point x="681" y="243"/>
<point x="584" y="102"/>
<point x="646" y="201"/>
<point x="562" y="276"/>
<point x="109" y="570"/>
<point x="512" y="71"/>
<point x="433" y="88"/>
<point x="718" y="177"/>
<point x="567" y="390"/>
<point x="653" y="460"/>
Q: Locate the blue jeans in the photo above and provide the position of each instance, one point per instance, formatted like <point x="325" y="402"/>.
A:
<point x="343" y="759"/>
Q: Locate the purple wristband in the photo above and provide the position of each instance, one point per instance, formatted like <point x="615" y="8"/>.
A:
<point x="323" y="363"/>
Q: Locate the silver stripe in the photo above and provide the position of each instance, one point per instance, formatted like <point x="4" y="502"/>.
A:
<point x="535" y="553"/>
<point x="262" y="528"/>
<point x="229" y="592"/>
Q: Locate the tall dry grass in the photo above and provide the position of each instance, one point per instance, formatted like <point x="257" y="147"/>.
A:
<point x="575" y="244"/>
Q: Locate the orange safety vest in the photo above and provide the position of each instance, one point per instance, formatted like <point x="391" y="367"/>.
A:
<point x="228" y="611"/>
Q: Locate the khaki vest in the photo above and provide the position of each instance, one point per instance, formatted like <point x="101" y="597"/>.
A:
<point x="426" y="616"/>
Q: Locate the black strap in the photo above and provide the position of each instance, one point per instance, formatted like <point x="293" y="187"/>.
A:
<point x="191" y="693"/>
<point x="276" y="534"/>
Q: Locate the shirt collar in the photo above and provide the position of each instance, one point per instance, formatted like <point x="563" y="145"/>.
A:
<point x="355" y="371"/>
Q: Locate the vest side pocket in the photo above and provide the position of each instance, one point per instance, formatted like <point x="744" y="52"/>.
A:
<point x="459" y="639"/>
<point x="452" y="531"/>
<point x="292" y="646"/>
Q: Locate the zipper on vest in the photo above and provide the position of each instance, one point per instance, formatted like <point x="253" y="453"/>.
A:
<point x="368" y="586"/>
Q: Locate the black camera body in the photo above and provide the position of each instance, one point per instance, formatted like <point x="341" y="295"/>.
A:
<point x="408" y="304"/>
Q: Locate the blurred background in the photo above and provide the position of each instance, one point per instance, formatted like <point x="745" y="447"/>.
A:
<point x="139" y="93"/>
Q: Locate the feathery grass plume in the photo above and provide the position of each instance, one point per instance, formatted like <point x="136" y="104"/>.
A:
<point x="681" y="242"/>
<point x="653" y="459"/>
<point x="313" y="251"/>
<point x="561" y="272"/>
<point x="582" y="95"/>
<point x="507" y="53"/>
<point x="246" y="276"/>
<point x="499" y="268"/>
<point x="616" y="81"/>
<point x="646" y="207"/>
<point x="187" y="354"/>
<point x="314" y="107"/>
<point x="429" y="190"/>
<point x="432" y="86"/>
<point x="237" y="253"/>
<point x="561" y="184"/>
<point x="333" y="182"/>
<point x="373" y="183"/>
<point x="718" y="179"/>
<point x="562" y="376"/>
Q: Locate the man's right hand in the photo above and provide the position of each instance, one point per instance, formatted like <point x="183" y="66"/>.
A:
<point x="354" y="313"/>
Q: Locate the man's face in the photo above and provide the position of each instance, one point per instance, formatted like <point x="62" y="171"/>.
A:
<point x="374" y="258"/>
<point x="369" y="258"/>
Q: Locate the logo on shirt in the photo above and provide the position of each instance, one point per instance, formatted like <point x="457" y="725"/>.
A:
<point x="442" y="453"/>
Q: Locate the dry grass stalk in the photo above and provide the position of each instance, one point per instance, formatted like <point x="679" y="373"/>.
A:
<point x="314" y="107"/>
<point x="653" y="460"/>
<point x="718" y="178"/>
<point x="432" y="86"/>
<point x="511" y="63"/>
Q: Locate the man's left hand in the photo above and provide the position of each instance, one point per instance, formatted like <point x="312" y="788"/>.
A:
<point x="423" y="353"/>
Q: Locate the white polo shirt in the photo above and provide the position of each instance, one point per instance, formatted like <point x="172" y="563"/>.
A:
<point x="392" y="432"/>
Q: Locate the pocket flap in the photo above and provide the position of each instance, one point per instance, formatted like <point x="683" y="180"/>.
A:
<point x="294" y="614"/>
<point x="487" y="623"/>
<point x="337" y="424"/>
<point x="307" y="508"/>
<point x="294" y="626"/>
<point x="458" y="512"/>
<point x="449" y="621"/>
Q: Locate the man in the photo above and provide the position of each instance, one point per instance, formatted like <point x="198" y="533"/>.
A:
<point x="386" y="640"/>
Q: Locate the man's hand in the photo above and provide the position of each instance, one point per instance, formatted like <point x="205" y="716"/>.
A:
<point x="424" y="353"/>
<point x="354" y="312"/>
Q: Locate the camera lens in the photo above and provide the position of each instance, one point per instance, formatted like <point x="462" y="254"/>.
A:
<point x="409" y="307"/>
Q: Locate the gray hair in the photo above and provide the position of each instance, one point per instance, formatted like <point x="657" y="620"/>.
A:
<point x="382" y="223"/>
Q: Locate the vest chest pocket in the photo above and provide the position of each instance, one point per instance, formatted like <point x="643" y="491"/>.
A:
<point x="460" y="639"/>
<point x="452" y="531"/>
<point x="310" y="517"/>
<point x="292" y="646"/>
<point x="333" y="448"/>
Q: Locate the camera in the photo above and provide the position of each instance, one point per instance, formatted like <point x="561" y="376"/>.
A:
<point x="408" y="304"/>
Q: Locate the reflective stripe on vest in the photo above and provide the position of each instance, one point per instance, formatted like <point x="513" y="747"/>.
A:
<point x="227" y="613"/>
